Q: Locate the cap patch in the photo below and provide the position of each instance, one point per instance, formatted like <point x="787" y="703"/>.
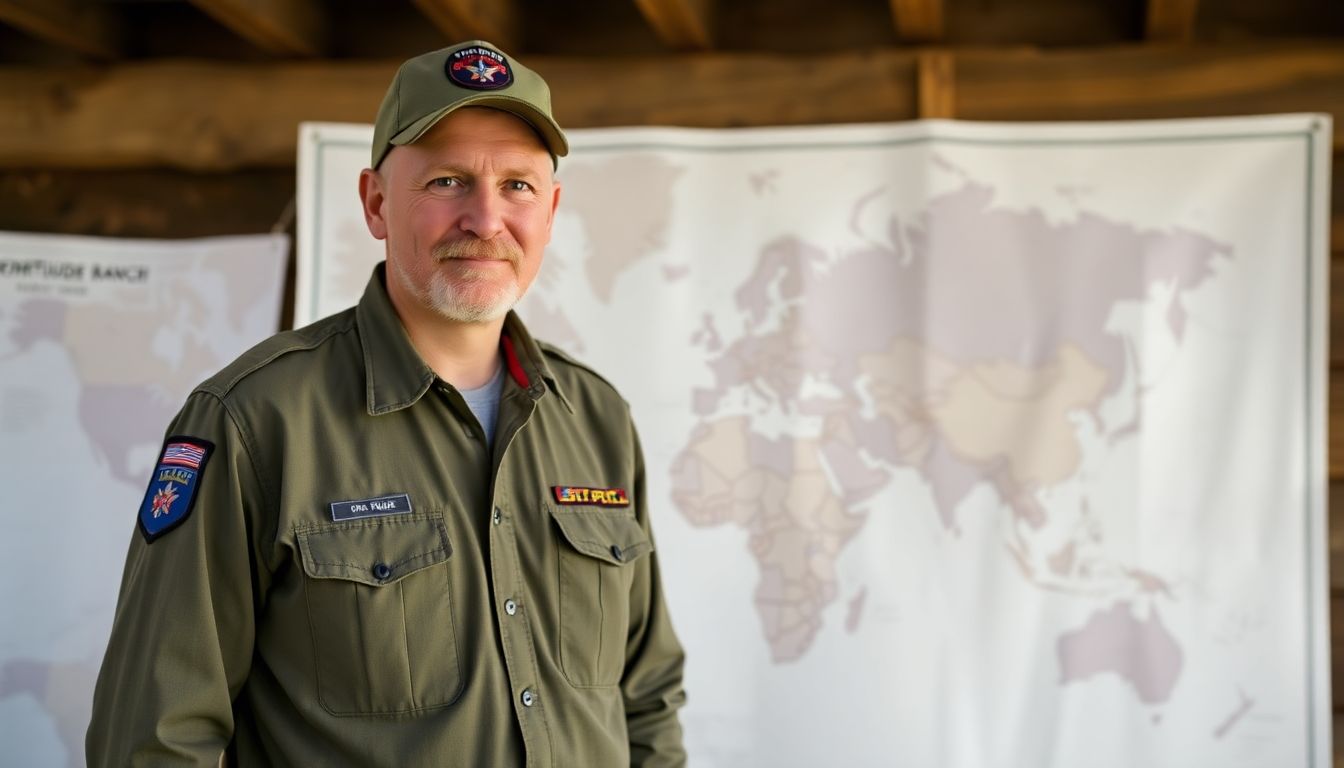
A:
<point x="172" y="487"/>
<point x="598" y="497"/>
<point x="480" y="69"/>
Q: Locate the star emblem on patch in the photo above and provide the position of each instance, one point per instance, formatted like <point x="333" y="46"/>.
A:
<point x="163" y="500"/>
<point x="478" y="68"/>
<point x="482" y="71"/>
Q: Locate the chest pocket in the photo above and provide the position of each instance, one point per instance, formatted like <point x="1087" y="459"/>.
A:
<point x="598" y="553"/>
<point x="381" y="616"/>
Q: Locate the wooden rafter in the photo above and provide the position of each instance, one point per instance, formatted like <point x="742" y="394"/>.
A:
<point x="284" y="27"/>
<point x="497" y="21"/>
<point x="1171" y="20"/>
<point x="918" y="21"/>
<point x="683" y="25"/>
<point x="87" y="27"/>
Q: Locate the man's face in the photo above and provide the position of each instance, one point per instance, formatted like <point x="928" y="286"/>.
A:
<point x="466" y="212"/>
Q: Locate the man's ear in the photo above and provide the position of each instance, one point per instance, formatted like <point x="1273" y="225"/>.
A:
<point x="373" y="197"/>
<point x="555" y="203"/>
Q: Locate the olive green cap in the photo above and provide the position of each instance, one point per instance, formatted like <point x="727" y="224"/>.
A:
<point x="470" y="74"/>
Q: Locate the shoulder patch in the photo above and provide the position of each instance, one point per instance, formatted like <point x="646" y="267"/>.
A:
<point x="172" y="487"/>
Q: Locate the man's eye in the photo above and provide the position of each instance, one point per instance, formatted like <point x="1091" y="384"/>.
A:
<point x="518" y="186"/>
<point x="444" y="182"/>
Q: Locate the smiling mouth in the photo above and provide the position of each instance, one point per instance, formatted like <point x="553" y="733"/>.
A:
<point x="477" y="251"/>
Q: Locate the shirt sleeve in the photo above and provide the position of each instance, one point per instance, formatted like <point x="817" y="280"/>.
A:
<point x="652" y="682"/>
<point x="182" y="636"/>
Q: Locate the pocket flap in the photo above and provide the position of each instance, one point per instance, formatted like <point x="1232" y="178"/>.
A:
<point x="374" y="552"/>
<point x="611" y="537"/>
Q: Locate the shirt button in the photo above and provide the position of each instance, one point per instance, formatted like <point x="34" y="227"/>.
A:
<point x="616" y="552"/>
<point x="381" y="571"/>
<point x="510" y="607"/>
<point x="497" y="516"/>
<point x="529" y="698"/>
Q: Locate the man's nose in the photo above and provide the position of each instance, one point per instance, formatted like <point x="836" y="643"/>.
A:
<point x="483" y="213"/>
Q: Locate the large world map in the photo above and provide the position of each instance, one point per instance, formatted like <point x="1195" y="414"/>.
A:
<point x="968" y="445"/>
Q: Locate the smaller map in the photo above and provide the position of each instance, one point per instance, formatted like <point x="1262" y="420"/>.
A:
<point x="100" y="343"/>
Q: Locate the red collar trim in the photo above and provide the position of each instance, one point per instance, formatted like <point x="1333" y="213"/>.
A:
<point x="515" y="367"/>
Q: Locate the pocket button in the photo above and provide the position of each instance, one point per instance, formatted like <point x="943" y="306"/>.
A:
<point x="382" y="571"/>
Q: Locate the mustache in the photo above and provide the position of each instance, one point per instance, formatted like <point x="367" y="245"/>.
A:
<point x="495" y="250"/>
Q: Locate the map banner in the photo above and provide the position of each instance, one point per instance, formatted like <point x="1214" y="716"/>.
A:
<point x="969" y="445"/>
<point x="100" y="342"/>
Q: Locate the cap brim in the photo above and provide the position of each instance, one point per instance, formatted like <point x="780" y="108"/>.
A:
<point x="546" y="128"/>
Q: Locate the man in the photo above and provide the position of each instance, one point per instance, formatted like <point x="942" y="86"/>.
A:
<point x="408" y="534"/>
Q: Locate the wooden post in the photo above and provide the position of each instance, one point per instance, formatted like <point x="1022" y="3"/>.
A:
<point x="937" y="85"/>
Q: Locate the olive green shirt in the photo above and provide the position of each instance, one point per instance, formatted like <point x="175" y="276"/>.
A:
<point x="493" y="619"/>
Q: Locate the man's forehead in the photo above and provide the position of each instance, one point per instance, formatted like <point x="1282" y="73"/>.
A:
<point x="458" y="142"/>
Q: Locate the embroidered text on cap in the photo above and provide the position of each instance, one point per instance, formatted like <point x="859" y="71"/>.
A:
<point x="480" y="69"/>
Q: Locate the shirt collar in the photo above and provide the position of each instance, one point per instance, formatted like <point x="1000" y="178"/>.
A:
<point x="394" y="374"/>
<point x="526" y="362"/>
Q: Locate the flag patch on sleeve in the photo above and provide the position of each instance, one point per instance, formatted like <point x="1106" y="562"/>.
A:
<point x="172" y="487"/>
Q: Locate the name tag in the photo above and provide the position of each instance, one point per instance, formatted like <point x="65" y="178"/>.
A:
<point x="395" y="504"/>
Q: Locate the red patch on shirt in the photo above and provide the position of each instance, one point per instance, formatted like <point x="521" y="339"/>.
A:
<point x="597" y="497"/>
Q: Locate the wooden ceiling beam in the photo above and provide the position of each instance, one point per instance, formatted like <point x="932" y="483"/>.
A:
<point x="918" y="21"/>
<point x="282" y="27"/>
<point x="246" y="115"/>
<point x="1143" y="82"/>
<point x="1171" y="20"/>
<point x="682" y="25"/>
<point x="87" y="27"/>
<point x="496" y="21"/>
